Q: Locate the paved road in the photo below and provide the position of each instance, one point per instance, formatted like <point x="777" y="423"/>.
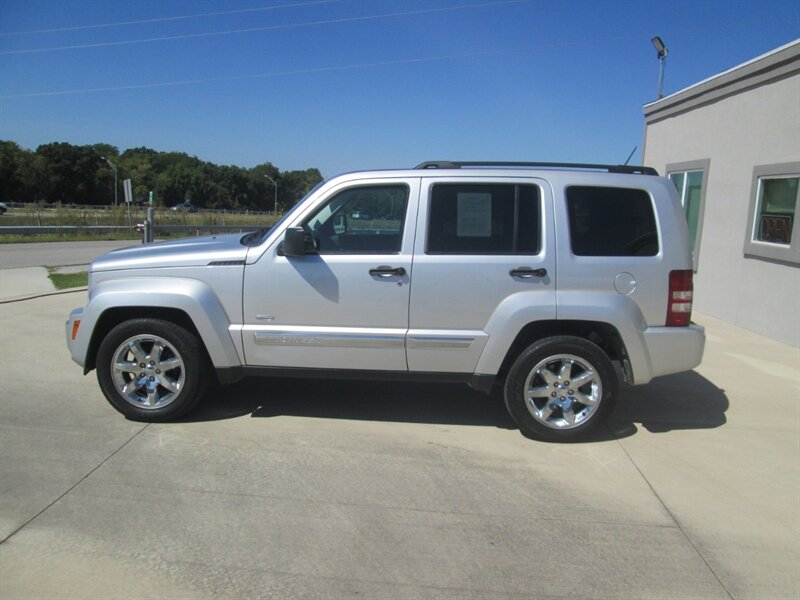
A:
<point x="312" y="489"/>
<point x="55" y="254"/>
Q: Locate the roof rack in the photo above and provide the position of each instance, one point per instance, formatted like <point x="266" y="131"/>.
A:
<point x="446" y="164"/>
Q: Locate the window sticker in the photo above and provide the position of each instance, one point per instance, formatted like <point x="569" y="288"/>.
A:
<point x="474" y="215"/>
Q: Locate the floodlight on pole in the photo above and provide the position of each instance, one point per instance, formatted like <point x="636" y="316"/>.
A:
<point x="113" y="166"/>
<point x="662" y="51"/>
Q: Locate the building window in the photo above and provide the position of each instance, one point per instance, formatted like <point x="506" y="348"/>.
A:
<point x="777" y="202"/>
<point x="772" y="223"/>
<point x="689" y="179"/>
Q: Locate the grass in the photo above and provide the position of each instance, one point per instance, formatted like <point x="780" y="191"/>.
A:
<point x="32" y="215"/>
<point x="69" y="237"/>
<point x="64" y="281"/>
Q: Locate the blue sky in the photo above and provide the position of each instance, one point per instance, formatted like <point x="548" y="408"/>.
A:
<point x="354" y="84"/>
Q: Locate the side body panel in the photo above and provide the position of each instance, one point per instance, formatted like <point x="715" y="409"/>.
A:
<point x="466" y="306"/>
<point x="191" y="296"/>
<point x="628" y="292"/>
<point x="327" y="310"/>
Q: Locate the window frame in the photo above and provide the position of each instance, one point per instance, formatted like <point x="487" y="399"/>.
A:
<point x="771" y="251"/>
<point x="516" y="185"/>
<point x="702" y="165"/>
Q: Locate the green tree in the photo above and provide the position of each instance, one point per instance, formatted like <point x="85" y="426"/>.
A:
<point x="69" y="173"/>
<point x="296" y="184"/>
<point x="15" y="166"/>
<point x="62" y="172"/>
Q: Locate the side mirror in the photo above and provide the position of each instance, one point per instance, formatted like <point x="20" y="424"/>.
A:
<point x="294" y="242"/>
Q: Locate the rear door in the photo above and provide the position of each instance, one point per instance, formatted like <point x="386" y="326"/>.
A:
<point x="484" y="261"/>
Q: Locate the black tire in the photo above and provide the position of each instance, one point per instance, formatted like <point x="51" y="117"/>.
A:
<point x="152" y="370"/>
<point x="560" y="388"/>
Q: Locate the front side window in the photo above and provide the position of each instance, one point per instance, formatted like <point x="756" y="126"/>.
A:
<point x="606" y="221"/>
<point x="492" y="218"/>
<point x="772" y="230"/>
<point x="360" y="220"/>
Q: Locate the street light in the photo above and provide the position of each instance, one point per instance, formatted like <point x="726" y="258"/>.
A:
<point x="113" y="166"/>
<point x="276" y="191"/>
<point x="662" y="55"/>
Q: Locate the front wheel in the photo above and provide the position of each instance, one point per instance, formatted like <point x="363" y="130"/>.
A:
<point x="560" y="388"/>
<point x="152" y="370"/>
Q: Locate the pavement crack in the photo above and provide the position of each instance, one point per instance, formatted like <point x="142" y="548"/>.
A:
<point x="672" y="516"/>
<point x="76" y="484"/>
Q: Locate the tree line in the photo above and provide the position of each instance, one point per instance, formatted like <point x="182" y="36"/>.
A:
<point x="64" y="173"/>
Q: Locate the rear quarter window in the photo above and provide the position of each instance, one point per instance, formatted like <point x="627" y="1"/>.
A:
<point x="608" y="221"/>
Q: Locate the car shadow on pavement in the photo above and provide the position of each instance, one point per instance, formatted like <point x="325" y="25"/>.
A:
<point x="409" y="402"/>
<point x="681" y="401"/>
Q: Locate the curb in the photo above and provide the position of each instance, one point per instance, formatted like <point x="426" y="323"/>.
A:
<point x="33" y="297"/>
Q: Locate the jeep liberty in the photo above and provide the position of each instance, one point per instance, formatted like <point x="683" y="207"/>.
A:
<point x="551" y="281"/>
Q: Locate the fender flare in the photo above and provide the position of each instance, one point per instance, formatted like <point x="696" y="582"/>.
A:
<point x="519" y="310"/>
<point x="190" y="296"/>
<point x="510" y="317"/>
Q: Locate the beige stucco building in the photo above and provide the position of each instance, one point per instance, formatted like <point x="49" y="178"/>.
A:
<point x="731" y="144"/>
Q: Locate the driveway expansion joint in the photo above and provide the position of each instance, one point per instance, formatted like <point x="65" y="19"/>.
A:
<point x="72" y="487"/>
<point x="672" y="516"/>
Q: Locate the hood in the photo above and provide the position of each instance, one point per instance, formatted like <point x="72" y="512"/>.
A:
<point x="191" y="252"/>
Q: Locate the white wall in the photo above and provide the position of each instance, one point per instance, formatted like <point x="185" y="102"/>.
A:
<point x="760" y="126"/>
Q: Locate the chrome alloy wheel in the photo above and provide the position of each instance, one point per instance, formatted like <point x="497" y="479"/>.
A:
<point x="148" y="372"/>
<point x="563" y="391"/>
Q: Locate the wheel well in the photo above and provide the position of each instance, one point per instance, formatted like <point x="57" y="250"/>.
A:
<point x="114" y="316"/>
<point x="604" y="335"/>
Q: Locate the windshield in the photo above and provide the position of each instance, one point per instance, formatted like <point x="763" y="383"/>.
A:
<point x="256" y="237"/>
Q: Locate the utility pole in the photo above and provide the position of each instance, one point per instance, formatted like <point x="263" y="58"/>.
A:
<point x="113" y="166"/>
<point x="274" y="183"/>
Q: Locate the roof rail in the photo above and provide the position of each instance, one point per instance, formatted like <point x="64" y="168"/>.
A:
<point x="446" y="164"/>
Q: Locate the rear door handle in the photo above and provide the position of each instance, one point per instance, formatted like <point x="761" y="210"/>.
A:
<point x="527" y="272"/>
<point x="385" y="271"/>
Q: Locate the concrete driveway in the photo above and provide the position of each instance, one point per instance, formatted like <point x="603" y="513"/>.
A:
<point x="316" y="489"/>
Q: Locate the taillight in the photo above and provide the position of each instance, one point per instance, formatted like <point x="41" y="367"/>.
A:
<point x="679" y="310"/>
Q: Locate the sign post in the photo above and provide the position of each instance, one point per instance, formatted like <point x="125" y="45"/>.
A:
<point x="126" y="185"/>
<point x="148" y="223"/>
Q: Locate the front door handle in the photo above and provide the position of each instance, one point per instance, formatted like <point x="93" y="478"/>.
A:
<point x="385" y="271"/>
<point x="527" y="272"/>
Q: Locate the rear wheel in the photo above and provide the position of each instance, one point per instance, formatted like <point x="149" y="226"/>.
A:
<point x="152" y="370"/>
<point x="560" y="388"/>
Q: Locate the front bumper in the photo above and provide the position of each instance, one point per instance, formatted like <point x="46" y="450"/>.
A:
<point x="75" y="343"/>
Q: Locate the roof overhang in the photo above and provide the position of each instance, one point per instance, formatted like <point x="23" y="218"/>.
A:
<point x="775" y="65"/>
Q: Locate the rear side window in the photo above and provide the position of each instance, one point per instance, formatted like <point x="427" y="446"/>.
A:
<point x="484" y="219"/>
<point x="606" y="221"/>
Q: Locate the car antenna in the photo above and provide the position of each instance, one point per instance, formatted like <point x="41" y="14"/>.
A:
<point x="631" y="154"/>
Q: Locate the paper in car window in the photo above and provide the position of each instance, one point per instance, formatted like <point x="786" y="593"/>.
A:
<point x="474" y="214"/>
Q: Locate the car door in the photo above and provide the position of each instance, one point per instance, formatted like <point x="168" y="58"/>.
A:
<point x="344" y="304"/>
<point x="484" y="267"/>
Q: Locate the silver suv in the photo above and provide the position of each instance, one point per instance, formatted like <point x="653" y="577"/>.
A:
<point x="549" y="280"/>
